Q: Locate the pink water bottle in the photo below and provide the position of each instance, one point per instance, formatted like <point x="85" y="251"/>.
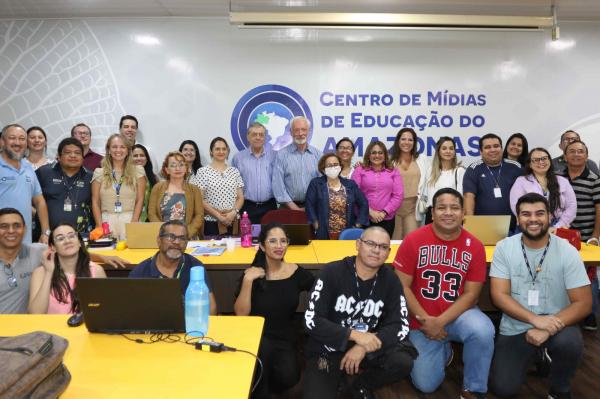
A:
<point x="246" y="231"/>
<point x="105" y="228"/>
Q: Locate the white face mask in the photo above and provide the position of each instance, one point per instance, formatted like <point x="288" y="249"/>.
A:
<point x="333" y="171"/>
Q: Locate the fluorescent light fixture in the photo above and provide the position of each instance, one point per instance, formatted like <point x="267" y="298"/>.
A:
<point x="388" y="21"/>
<point x="146" y="40"/>
<point x="560" y="44"/>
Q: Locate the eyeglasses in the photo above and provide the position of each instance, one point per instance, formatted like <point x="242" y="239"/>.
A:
<point x="373" y="245"/>
<point x="59" y="239"/>
<point x="281" y="241"/>
<point x="540" y="159"/>
<point x="173" y="238"/>
<point x="572" y="151"/>
<point x="177" y="165"/>
<point x="344" y="148"/>
<point x="375" y="152"/>
<point x="83" y="134"/>
<point x="10" y="277"/>
<point x="332" y="165"/>
<point x="570" y="139"/>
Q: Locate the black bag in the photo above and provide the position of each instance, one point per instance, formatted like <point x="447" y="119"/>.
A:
<point x="31" y="366"/>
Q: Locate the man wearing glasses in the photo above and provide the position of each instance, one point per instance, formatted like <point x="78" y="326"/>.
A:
<point x="91" y="159"/>
<point x="357" y="320"/>
<point x="442" y="269"/>
<point x="171" y="261"/>
<point x="18" y="260"/>
<point x="559" y="164"/>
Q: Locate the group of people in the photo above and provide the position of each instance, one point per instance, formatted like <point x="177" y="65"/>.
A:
<point x="358" y="313"/>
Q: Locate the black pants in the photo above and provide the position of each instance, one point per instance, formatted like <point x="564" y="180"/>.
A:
<point x="281" y="371"/>
<point x="256" y="210"/>
<point x="388" y="367"/>
<point x="212" y="229"/>
<point x="388" y="225"/>
<point x="514" y="355"/>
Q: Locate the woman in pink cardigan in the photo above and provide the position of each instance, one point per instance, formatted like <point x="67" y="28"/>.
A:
<point x="538" y="177"/>
<point x="382" y="185"/>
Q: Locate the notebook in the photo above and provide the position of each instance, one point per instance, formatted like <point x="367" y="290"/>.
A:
<point x="489" y="229"/>
<point x="142" y="235"/>
<point x="131" y="305"/>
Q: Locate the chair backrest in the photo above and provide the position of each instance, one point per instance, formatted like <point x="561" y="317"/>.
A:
<point x="285" y="216"/>
<point x="350" y="234"/>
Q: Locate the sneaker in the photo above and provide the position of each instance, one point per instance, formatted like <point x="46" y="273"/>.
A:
<point x="543" y="362"/>
<point x="450" y="358"/>
<point x="464" y="394"/>
<point x="559" y="395"/>
<point x="590" y="323"/>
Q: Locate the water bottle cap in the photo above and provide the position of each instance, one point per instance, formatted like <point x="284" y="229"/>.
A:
<point x="197" y="273"/>
<point x="245" y="214"/>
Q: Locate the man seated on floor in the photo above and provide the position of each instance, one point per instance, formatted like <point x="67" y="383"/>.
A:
<point x="539" y="283"/>
<point x="357" y="320"/>
<point x="171" y="261"/>
<point x="442" y="268"/>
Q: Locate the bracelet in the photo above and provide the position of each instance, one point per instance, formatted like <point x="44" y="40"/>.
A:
<point x="593" y="238"/>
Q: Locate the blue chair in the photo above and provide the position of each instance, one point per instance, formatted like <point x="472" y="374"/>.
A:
<point x="350" y="234"/>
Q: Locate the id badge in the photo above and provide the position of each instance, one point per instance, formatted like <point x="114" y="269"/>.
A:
<point x="361" y="327"/>
<point x="497" y="192"/>
<point x="533" y="298"/>
<point x="118" y="207"/>
<point x="68" y="205"/>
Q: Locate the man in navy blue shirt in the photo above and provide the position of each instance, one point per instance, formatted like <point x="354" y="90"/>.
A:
<point x="487" y="182"/>
<point x="171" y="261"/>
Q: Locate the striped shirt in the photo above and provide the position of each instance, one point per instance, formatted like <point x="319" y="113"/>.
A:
<point x="587" y="192"/>
<point x="293" y="172"/>
<point x="256" y="172"/>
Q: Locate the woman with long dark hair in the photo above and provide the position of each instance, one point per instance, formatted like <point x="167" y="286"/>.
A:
<point x="270" y="288"/>
<point x="141" y="157"/>
<point x="191" y="153"/>
<point x="539" y="177"/>
<point x="52" y="286"/>
<point x="517" y="148"/>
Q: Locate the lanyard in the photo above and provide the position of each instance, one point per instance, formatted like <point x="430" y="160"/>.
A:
<point x="497" y="181"/>
<point x="181" y="266"/>
<point x="538" y="269"/>
<point x="70" y="187"/>
<point x="117" y="186"/>
<point x="358" y="287"/>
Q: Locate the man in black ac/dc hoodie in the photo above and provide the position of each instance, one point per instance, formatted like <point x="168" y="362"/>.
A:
<point x="357" y="322"/>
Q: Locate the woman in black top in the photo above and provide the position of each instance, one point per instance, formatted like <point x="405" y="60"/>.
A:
<point x="270" y="288"/>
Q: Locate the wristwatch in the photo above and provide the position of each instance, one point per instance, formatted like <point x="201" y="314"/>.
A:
<point x="48" y="232"/>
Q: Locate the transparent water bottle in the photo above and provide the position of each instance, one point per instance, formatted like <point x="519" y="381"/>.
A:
<point x="246" y="231"/>
<point x="197" y="304"/>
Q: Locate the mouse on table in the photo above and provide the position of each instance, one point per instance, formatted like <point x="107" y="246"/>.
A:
<point x="75" y="320"/>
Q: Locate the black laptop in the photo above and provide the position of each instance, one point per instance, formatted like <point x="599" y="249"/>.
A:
<point x="131" y="305"/>
<point x="299" y="233"/>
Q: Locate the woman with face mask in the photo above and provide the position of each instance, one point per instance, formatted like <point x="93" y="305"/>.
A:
<point x="334" y="203"/>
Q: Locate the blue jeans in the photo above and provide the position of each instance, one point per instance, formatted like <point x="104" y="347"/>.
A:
<point x="476" y="332"/>
<point x="595" y="296"/>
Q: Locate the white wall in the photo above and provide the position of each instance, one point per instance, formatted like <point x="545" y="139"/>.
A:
<point x="185" y="81"/>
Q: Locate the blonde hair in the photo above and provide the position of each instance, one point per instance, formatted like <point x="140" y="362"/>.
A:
<point x="129" y="166"/>
<point x="436" y="163"/>
<point x="179" y="156"/>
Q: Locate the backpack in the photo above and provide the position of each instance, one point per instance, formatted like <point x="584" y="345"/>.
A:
<point x="31" y="366"/>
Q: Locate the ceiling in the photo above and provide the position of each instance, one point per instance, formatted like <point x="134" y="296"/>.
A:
<point x="578" y="10"/>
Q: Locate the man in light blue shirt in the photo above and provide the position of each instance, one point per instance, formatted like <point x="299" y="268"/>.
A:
<point x="255" y="164"/>
<point x="19" y="186"/>
<point x="295" y="166"/>
<point x="539" y="283"/>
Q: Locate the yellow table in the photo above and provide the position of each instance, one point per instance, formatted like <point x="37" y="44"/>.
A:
<point x="109" y="366"/>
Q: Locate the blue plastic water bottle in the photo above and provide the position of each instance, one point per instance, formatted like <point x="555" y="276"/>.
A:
<point x="197" y="304"/>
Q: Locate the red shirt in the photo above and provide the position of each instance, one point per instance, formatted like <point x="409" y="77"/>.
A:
<point x="439" y="268"/>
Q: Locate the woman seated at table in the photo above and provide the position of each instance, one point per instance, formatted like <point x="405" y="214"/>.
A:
<point x="142" y="158"/>
<point x="334" y="203"/>
<point x="539" y="177"/>
<point x="52" y="285"/>
<point x="221" y="186"/>
<point x="175" y="198"/>
<point x="118" y="187"/>
<point x="382" y="184"/>
<point x="270" y="288"/>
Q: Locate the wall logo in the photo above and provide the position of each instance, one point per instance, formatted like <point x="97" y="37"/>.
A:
<point x="273" y="106"/>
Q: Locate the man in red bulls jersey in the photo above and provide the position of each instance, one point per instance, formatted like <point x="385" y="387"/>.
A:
<point x="442" y="269"/>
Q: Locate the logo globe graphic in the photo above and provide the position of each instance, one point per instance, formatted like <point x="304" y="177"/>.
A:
<point x="273" y="106"/>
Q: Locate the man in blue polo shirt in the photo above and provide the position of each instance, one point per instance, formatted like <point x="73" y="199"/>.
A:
<point x="487" y="182"/>
<point x="19" y="187"/>
<point x="67" y="187"/>
<point x="171" y="261"/>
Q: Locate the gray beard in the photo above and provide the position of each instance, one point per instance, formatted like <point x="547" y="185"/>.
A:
<point x="13" y="155"/>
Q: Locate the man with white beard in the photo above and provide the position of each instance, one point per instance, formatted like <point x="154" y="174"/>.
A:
<point x="19" y="186"/>
<point x="295" y="166"/>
